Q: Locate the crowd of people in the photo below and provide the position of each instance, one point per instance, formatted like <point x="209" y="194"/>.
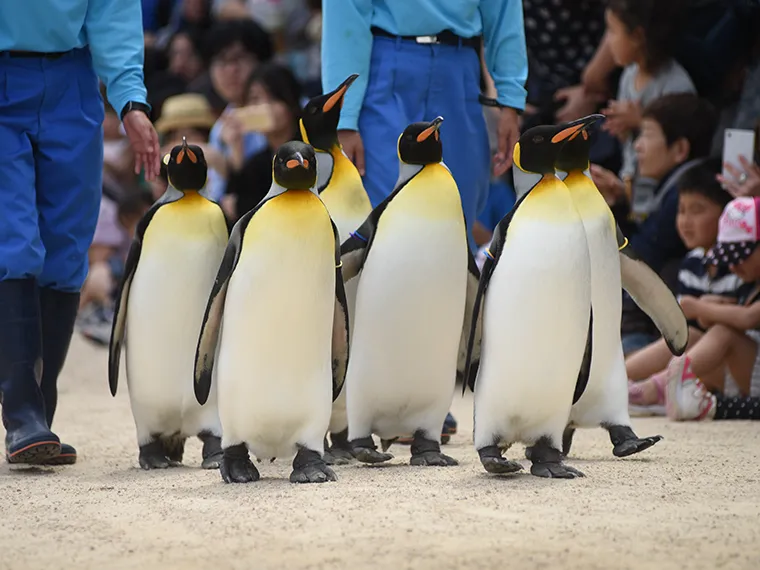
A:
<point x="233" y="76"/>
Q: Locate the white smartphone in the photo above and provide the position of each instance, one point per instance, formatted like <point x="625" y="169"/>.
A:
<point x="256" y="118"/>
<point x="737" y="142"/>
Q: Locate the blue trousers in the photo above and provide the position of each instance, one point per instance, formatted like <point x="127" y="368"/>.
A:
<point x="410" y="82"/>
<point x="51" y="167"/>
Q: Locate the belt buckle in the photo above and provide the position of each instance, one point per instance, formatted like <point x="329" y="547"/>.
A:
<point x="427" y="40"/>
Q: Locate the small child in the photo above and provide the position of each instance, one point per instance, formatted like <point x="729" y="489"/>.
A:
<point x="694" y="381"/>
<point x="640" y="35"/>
<point x="701" y="201"/>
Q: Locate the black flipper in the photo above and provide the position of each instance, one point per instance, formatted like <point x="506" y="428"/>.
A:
<point x="473" y="278"/>
<point x="212" y="319"/>
<point x="120" y="307"/>
<point x="654" y="297"/>
<point x="494" y="253"/>
<point x="585" y="371"/>
<point x="340" y="336"/>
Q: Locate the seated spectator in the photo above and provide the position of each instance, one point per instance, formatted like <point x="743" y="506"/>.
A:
<point x="640" y="35"/>
<point x="250" y="178"/>
<point x="694" y="381"/>
<point x="701" y="201"/>
<point x="113" y="234"/>
<point x="235" y="49"/>
<point x="676" y="133"/>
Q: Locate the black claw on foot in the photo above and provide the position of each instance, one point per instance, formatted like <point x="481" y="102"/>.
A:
<point x="366" y="451"/>
<point x="341" y="450"/>
<point x="153" y="456"/>
<point x="626" y="442"/>
<point x="493" y="462"/>
<point x="567" y="440"/>
<point x="237" y="467"/>
<point x="427" y="452"/>
<point x="547" y="461"/>
<point x="309" y="467"/>
<point x="212" y="451"/>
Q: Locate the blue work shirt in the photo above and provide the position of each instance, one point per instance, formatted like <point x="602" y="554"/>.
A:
<point x="111" y="28"/>
<point x="347" y="41"/>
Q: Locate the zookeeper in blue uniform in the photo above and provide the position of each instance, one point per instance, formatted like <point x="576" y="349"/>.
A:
<point x="52" y="53"/>
<point x="417" y="60"/>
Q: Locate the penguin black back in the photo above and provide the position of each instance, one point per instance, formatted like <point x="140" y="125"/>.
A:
<point x="321" y="115"/>
<point x="420" y="143"/>
<point x="295" y="166"/>
<point x="186" y="167"/>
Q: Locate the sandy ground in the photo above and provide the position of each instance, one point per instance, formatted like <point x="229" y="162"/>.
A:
<point x="692" y="501"/>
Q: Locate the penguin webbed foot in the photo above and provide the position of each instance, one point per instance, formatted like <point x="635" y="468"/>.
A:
<point x="626" y="442"/>
<point x="366" y="451"/>
<point x="237" y="467"/>
<point x="309" y="467"/>
<point x="493" y="462"/>
<point x="547" y="461"/>
<point x="153" y="456"/>
<point x="427" y="453"/>
<point x="212" y="452"/>
<point x="340" y="452"/>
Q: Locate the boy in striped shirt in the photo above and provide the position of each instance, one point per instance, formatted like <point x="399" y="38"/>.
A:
<point x="701" y="200"/>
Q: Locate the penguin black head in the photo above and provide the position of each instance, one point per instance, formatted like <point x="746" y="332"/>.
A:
<point x="295" y="166"/>
<point x="420" y="143"/>
<point x="186" y="167"/>
<point x="319" y="121"/>
<point x="538" y="148"/>
<point x="574" y="153"/>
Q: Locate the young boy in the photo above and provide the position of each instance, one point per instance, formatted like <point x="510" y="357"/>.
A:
<point x="701" y="201"/>
<point x="676" y="133"/>
<point x="694" y="381"/>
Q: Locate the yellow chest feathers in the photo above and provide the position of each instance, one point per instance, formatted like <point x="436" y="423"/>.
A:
<point x="295" y="215"/>
<point x="192" y="217"/>
<point x="432" y="193"/>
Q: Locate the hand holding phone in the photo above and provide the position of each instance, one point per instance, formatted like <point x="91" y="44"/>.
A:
<point x="255" y="118"/>
<point x="737" y="143"/>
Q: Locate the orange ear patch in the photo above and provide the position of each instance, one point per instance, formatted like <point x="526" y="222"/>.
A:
<point x="180" y="156"/>
<point x="585" y="135"/>
<point x="305" y="163"/>
<point x="292" y="163"/>
<point x="191" y="156"/>
<point x="437" y="136"/>
<point x="562" y="135"/>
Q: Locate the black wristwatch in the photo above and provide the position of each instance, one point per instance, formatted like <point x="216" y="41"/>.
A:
<point x="135" y="106"/>
<point x="491" y="102"/>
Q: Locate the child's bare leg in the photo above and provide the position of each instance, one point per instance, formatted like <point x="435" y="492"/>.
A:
<point x="97" y="287"/>
<point x="724" y="346"/>
<point x="655" y="357"/>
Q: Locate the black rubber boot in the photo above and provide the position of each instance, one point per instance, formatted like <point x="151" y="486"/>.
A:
<point x="58" y="311"/>
<point x="28" y="438"/>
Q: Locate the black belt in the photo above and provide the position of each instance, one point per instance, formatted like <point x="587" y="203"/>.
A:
<point x="445" y="37"/>
<point x="39" y="54"/>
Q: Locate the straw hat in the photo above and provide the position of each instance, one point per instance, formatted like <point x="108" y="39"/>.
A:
<point x="189" y="110"/>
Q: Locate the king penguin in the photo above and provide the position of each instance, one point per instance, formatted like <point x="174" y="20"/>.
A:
<point x="279" y="358"/>
<point x="169" y="272"/>
<point x="534" y="300"/>
<point x="605" y="399"/>
<point x="416" y="277"/>
<point x="340" y="187"/>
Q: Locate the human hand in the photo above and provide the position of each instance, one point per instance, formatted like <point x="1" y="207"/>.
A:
<point x="144" y="142"/>
<point x="507" y="133"/>
<point x="746" y="182"/>
<point x="690" y="306"/>
<point x="352" y="144"/>
<point x="622" y="118"/>
<point x="578" y="103"/>
<point x="609" y="185"/>
<point x="718" y="299"/>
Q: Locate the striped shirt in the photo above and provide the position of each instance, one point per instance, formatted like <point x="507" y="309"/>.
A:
<point x="694" y="280"/>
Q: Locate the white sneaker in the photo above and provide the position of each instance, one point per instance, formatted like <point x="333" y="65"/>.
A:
<point x="686" y="398"/>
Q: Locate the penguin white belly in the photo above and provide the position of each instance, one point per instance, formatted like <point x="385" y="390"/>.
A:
<point x="167" y="301"/>
<point x="536" y="316"/>
<point x="606" y="396"/>
<point x="407" y="327"/>
<point x="274" y="368"/>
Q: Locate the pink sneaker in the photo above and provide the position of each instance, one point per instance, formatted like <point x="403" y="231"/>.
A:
<point x="686" y="397"/>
